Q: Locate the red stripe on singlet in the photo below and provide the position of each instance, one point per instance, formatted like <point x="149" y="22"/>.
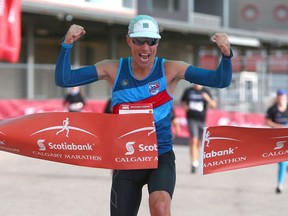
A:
<point x="156" y="100"/>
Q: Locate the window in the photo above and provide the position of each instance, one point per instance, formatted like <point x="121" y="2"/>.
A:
<point x="128" y="3"/>
<point x="170" y="5"/>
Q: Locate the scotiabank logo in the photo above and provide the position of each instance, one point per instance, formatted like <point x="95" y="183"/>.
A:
<point x="65" y="129"/>
<point x="278" y="149"/>
<point x="130" y="148"/>
<point x="136" y="158"/>
<point x="279" y="145"/>
<point x="133" y="149"/>
<point x="64" y="146"/>
<point x="41" y="145"/>
<point x="219" y="153"/>
<point x="142" y="148"/>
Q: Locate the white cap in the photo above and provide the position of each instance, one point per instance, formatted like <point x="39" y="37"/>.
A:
<point x="143" y="26"/>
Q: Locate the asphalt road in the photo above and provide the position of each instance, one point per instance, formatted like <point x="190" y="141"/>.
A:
<point x="33" y="187"/>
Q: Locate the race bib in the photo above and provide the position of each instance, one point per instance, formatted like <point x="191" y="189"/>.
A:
<point x="196" y="105"/>
<point x="136" y="108"/>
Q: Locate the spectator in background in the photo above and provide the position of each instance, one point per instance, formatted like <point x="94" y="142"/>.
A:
<point x="277" y="117"/>
<point x="74" y="100"/>
<point x="196" y="100"/>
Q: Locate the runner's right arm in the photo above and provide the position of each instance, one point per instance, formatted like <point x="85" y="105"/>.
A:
<point x="64" y="75"/>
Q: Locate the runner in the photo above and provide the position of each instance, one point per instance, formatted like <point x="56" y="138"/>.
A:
<point x="144" y="78"/>
<point x="196" y="99"/>
<point x="74" y="100"/>
<point x="277" y="117"/>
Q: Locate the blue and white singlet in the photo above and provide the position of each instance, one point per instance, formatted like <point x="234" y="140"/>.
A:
<point x="152" y="89"/>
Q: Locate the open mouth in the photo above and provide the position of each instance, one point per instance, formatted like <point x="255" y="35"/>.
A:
<point x="144" y="57"/>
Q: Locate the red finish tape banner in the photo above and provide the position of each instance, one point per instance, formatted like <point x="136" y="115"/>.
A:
<point x="227" y="148"/>
<point x="85" y="139"/>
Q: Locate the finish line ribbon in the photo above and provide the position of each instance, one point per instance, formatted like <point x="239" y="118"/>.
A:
<point x="85" y="139"/>
<point x="227" y="148"/>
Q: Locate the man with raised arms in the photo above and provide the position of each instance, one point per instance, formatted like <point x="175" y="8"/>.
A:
<point x="144" y="78"/>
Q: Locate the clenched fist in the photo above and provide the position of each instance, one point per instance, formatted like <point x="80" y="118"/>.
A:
<point x="74" y="33"/>
<point x="222" y="41"/>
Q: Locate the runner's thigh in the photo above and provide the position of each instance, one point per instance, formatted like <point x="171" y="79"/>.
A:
<point x="164" y="177"/>
<point x="126" y="191"/>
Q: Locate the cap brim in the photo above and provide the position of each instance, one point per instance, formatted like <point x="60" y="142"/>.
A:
<point x="145" y="35"/>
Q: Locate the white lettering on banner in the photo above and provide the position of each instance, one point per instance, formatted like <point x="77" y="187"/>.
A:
<point x="83" y="157"/>
<point x="142" y="148"/>
<point x="9" y="149"/>
<point x="72" y="146"/>
<point x="227" y="161"/>
<point x="218" y="153"/>
<point x="2" y="142"/>
<point x="275" y="153"/>
<point x="46" y="154"/>
<point x="64" y="146"/>
<point x="133" y="159"/>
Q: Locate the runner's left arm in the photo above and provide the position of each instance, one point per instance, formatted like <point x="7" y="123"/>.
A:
<point x="219" y="78"/>
<point x="222" y="76"/>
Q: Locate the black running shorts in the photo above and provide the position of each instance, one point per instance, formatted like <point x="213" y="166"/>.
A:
<point x="126" y="191"/>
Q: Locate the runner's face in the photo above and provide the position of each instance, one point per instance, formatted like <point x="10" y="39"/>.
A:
<point x="144" y="54"/>
<point x="282" y="99"/>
